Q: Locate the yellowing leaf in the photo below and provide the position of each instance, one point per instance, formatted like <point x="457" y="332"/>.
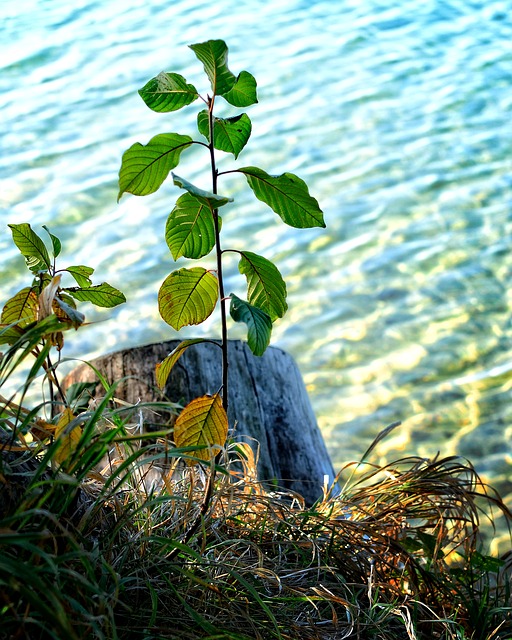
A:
<point x="41" y="430"/>
<point x="203" y="422"/>
<point x="163" y="369"/>
<point x="21" y="308"/>
<point x="188" y="296"/>
<point x="67" y="436"/>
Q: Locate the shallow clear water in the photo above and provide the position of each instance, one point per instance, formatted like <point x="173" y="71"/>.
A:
<point x="396" y="113"/>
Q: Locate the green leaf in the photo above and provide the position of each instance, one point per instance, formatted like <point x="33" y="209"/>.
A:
<point x="81" y="274"/>
<point x="102" y="295"/>
<point x="168" y="92"/>
<point x="69" y="312"/>
<point x="145" y="167"/>
<point x="243" y="94"/>
<point x="188" y="296"/>
<point x="259" y="324"/>
<point x="31" y="246"/>
<point x="214" y="56"/>
<point x="266" y="288"/>
<point x="163" y="369"/>
<point x="202" y="423"/>
<point x="21" y="308"/>
<point x="229" y="134"/>
<point x="56" y="243"/>
<point x="211" y="200"/>
<point x="287" y="195"/>
<point x="190" y="231"/>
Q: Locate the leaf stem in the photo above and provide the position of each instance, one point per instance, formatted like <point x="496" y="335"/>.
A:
<point x="218" y="250"/>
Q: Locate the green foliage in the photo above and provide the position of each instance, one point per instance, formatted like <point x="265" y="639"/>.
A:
<point x="46" y="296"/>
<point x="189" y="230"/>
<point x="259" y="324"/>
<point x="33" y="320"/>
<point x="188" y="296"/>
<point x="145" y="167"/>
<point x="31" y="246"/>
<point x="229" y="134"/>
<point x="168" y="92"/>
<point x="163" y="369"/>
<point x="266" y="288"/>
<point x="287" y="195"/>
<point x="194" y="225"/>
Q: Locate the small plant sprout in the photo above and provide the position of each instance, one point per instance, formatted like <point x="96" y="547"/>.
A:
<point x="32" y="323"/>
<point x="47" y="305"/>
<point x="188" y="296"/>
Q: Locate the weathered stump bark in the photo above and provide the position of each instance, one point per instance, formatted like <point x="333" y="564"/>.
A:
<point x="268" y="402"/>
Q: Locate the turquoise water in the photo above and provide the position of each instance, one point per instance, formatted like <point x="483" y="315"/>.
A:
<point x="397" y="114"/>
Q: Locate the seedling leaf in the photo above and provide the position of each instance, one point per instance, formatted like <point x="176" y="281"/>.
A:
<point x="259" y="324"/>
<point x="163" y="369"/>
<point x="229" y="134"/>
<point x="243" y="94"/>
<point x="81" y="274"/>
<point x="189" y="230"/>
<point x="102" y="295"/>
<point x="68" y="312"/>
<point x="266" y="288"/>
<point x="56" y="243"/>
<point x="168" y="92"/>
<point x="10" y="333"/>
<point x="211" y="200"/>
<point x="21" y="308"/>
<point x="202" y="423"/>
<point x="31" y="246"/>
<point x="188" y="296"/>
<point x="145" y="167"/>
<point x="287" y="195"/>
<point x="214" y="56"/>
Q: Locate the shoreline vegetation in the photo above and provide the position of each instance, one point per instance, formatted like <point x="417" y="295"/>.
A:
<point x="113" y="540"/>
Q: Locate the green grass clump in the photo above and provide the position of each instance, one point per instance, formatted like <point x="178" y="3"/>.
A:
<point x="113" y="541"/>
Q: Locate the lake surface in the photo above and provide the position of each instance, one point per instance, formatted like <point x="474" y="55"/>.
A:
<point x="398" y="116"/>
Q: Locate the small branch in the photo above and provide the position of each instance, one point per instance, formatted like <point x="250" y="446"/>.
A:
<point x="203" y="144"/>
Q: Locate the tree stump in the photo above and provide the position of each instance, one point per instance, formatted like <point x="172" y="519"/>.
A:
<point x="268" y="403"/>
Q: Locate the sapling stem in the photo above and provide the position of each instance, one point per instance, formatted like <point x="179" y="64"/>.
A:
<point x="218" y="250"/>
<point x="188" y="296"/>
